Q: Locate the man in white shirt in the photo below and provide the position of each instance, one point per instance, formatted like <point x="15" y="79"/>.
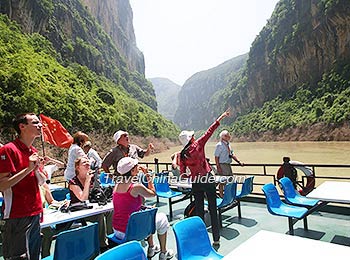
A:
<point x="223" y="157"/>
<point x="95" y="159"/>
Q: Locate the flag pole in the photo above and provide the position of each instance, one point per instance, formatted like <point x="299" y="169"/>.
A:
<point x="42" y="136"/>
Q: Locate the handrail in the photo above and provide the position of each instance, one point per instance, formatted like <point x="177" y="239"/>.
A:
<point x="264" y="172"/>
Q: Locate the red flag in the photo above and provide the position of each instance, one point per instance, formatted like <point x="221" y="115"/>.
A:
<point x="54" y="133"/>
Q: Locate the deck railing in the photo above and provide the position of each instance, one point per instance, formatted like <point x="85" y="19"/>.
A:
<point x="263" y="172"/>
<point x="267" y="172"/>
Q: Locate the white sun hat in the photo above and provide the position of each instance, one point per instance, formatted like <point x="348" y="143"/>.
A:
<point x="125" y="164"/>
<point x="118" y="134"/>
<point x="185" y="137"/>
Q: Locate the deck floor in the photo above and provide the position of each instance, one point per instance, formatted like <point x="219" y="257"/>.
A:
<point x="329" y="227"/>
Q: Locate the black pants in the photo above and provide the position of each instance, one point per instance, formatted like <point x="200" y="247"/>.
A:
<point x="198" y="189"/>
<point x="21" y="238"/>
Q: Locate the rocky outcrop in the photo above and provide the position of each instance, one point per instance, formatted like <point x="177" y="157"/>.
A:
<point x="302" y="41"/>
<point x="78" y="37"/>
<point x="116" y="18"/>
<point x="199" y="91"/>
<point x="167" y="96"/>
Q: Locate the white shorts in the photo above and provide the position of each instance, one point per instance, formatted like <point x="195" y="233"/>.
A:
<point x="162" y="225"/>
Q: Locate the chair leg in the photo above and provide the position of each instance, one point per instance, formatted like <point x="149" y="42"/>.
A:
<point x="170" y="210"/>
<point x="290" y="224"/>
<point x="239" y="209"/>
<point x="157" y="200"/>
<point x="305" y="224"/>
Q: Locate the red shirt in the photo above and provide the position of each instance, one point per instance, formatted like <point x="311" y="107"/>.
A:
<point x="22" y="199"/>
<point x="196" y="160"/>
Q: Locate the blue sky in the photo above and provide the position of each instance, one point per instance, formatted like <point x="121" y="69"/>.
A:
<point x="181" y="37"/>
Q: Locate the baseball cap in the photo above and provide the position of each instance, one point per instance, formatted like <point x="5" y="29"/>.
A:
<point x="118" y="134"/>
<point x="185" y="137"/>
<point x="126" y="164"/>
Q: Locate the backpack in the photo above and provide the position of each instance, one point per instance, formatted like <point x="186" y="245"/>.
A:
<point x="101" y="195"/>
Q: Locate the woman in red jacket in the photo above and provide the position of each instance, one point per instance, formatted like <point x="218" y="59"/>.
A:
<point x="193" y="157"/>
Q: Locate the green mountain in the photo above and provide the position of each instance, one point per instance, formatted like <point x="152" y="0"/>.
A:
<point x="167" y="96"/>
<point x="95" y="34"/>
<point x="200" y="91"/>
<point x="296" y="77"/>
<point x="34" y="76"/>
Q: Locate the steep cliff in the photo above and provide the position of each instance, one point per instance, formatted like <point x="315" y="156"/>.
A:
<point x="77" y="36"/>
<point x="32" y="79"/>
<point x="296" y="77"/>
<point x="167" y="96"/>
<point x="116" y="18"/>
<point x="199" y="91"/>
<point x="302" y="41"/>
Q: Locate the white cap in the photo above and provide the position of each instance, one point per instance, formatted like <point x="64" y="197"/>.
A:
<point x="125" y="164"/>
<point x="185" y="137"/>
<point x="118" y="134"/>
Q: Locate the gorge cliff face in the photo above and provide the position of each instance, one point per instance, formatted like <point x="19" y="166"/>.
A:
<point x="98" y="36"/>
<point x="116" y="18"/>
<point x="296" y="77"/>
<point x="302" y="40"/>
<point x="167" y="96"/>
<point x="200" y="90"/>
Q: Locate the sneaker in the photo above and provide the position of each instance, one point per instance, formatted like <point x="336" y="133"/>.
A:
<point x="166" y="255"/>
<point x="152" y="251"/>
<point x="216" y="243"/>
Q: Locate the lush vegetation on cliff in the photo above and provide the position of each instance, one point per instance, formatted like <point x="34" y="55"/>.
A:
<point x="327" y="102"/>
<point x="31" y="79"/>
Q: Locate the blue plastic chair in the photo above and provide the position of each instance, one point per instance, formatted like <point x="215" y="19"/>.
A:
<point x="141" y="225"/>
<point x="163" y="191"/>
<point x="247" y="188"/>
<point x="228" y="201"/>
<point x="60" y="193"/>
<point x="276" y="207"/>
<point x="292" y="197"/>
<point x="77" y="244"/>
<point x="106" y="180"/>
<point x="131" y="250"/>
<point x="192" y="240"/>
<point x="1" y="200"/>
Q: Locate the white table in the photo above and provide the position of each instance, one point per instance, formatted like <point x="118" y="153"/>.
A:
<point x="332" y="191"/>
<point x="53" y="217"/>
<point x="187" y="184"/>
<point x="270" y="245"/>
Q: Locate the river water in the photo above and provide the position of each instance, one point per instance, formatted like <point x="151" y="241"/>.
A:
<point x="272" y="152"/>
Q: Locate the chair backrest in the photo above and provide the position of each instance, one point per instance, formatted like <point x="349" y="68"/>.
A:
<point x="161" y="184"/>
<point x="229" y="194"/>
<point x="78" y="244"/>
<point x="191" y="238"/>
<point x="131" y="250"/>
<point x="105" y="178"/>
<point x="273" y="199"/>
<point x="247" y="186"/>
<point x="60" y="193"/>
<point x="288" y="188"/>
<point x="141" y="224"/>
